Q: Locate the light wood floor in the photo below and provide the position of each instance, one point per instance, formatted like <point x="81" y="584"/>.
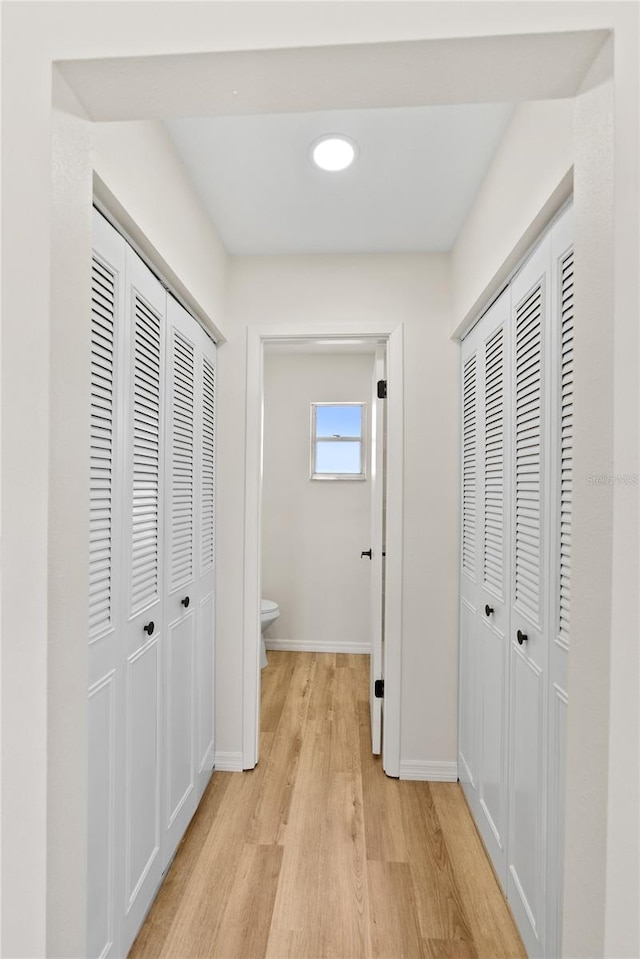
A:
<point x="317" y="854"/>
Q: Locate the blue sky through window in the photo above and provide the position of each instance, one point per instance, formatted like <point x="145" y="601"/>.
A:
<point x="338" y="440"/>
<point x="339" y="421"/>
<point x="338" y="458"/>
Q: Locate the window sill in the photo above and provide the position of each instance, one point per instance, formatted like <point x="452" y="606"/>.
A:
<point x="349" y="477"/>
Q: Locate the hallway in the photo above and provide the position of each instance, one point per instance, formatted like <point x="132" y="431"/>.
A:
<point x="316" y="853"/>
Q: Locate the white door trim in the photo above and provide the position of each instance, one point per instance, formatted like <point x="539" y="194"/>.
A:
<point x="392" y="333"/>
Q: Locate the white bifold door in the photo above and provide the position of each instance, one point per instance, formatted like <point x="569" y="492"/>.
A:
<point x="517" y="406"/>
<point x="485" y="565"/>
<point x="189" y="573"/>
<point x="151" y="590"/>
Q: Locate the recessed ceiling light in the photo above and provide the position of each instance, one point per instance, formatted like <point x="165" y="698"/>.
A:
<point x="333" y="153"/>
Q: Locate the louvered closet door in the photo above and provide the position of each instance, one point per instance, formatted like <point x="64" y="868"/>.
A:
<point x="205" y="561"/>
<point x="142" y="589"/>
<point x="105" y="709"/>
<point x="181" y="593"/>
<point x="492" y="618"/>
<point x="559" y="619"/>
<point x="470" y="567"/>
<point x="530" y="305"/>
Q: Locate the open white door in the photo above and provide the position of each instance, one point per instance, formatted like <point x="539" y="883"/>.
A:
<point x="377" y="547"/>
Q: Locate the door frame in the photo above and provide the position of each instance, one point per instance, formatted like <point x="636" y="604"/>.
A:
<point x="392" y="334"/>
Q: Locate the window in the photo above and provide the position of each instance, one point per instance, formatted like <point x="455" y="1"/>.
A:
<point x="337" y="441"/>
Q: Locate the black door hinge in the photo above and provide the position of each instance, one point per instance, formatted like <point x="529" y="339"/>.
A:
<point x="378" y="688"/>
<point x="382" y="389"/>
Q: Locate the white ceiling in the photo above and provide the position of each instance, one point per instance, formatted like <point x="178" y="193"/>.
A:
<point x="424" y="150"/>
<point x="417" y="173"/>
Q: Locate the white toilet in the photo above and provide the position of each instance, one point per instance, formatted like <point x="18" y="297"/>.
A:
<point x="269" y="612"/>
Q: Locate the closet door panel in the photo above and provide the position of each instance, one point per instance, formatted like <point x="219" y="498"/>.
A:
<point x="470" y="566"/>
<point x="143" y="570"/>
<point x="493" y="738"/>
<point x="180" y="793"/>
<point x="205" y="686"/>
<point x="106" y="608"/>
<point x="101" y="907"/>
<point x="142" y="842"/>
<point x="530" y="503"/>
<point x="180" y="732"/>
<point x="562" y="451"/>
<point x="494" y="558"/>
<point x="558" y="704"/>
<point x="559" y="620"/>
<point x="468" y="695"/>
<point x="206" y="558"/>
<point x="526" y="842"/>
<point x="493" y="612"/>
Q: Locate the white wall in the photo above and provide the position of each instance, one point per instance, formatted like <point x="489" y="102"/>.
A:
<point x="592" y="542"/>
<point x="527" y="181"/>
<point x="314" y="531"/>
<point x="604" y="663"/>
<point x="67" y="662"/>
<point x="306" y="291"/>
<point x="141" y="168"/>
<point x="34" y="36"/>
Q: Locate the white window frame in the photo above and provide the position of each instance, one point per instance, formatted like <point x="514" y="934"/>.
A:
<point x="358" y="477"/>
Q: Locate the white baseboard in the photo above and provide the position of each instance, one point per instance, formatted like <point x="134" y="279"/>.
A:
<point x="428" y="772"/>
<point x="228" y="762"/>
<point x="292" y="646"/>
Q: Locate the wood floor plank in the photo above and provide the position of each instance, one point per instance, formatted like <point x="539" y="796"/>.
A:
<point x="350" y="661"/>
<point x="316" y="854"/>
<point x="275" y="683"/>
<point x="492" y="928"/>
<point x="152" y="936"/>
<point x="270" y="813"/>
<point x="344" y="730"/>
<point x="323" y="895"/>
<point x="321" y="699"/>
<point x="438" y="900"/>
<point x="322" y="905"/>
<point x="383" y="820"/>
<point x="395" y="930"/>
<point x="193" y="932"/>
<point x="245" y="925"/>
<point x="449" y="949"/>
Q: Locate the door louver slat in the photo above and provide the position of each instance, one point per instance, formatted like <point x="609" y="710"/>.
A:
<point x="493" y="553"/>
<point x="101" y="462"/>
<point x="528" y="426"/>
<point x="182" y="479"/>
<point x="469" y="429"/>
<point x="146" y="456"/>
<point x="207" y="466"/>
<point x="566" y="443"/>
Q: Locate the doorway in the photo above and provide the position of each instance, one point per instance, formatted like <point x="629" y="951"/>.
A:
<point x="388" y="662"/>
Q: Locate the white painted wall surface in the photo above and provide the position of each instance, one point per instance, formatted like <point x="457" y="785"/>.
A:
<point x="314" y="531"/>
<point x="67" y="664"/>
<point x="410" y="289"/>
<point x="592" y="542"/>
<point x="140" y="166"/>
<point x="605" y="660"/>
<point x="35" y="35"/>
<point x="534" y="158"/>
